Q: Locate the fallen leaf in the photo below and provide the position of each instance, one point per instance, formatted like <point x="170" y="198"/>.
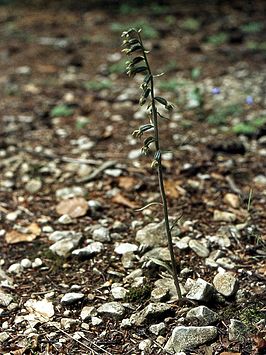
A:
<point x="14" y="237"/>
<point x="173" y="189"/>
<point x="74" y="207"/>
<point x="229" y="353"/>
<point x="121" y="200"/>
<point x="126" y="182"/>
<point x="33" y="228"/>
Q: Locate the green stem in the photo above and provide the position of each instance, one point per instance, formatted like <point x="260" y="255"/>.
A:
<point x="160" y="177"/>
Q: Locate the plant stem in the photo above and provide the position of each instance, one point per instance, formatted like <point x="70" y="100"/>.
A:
<point x="160" y="177"/>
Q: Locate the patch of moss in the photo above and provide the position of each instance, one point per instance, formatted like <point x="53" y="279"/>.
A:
<point x="137" y="294"/>
<point x="56" y="260"/>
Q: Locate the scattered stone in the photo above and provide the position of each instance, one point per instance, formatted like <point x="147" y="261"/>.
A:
<point x="5" y="299"/>
<point x="205" y="315"/>
<point x="112" y="309"/>
<point x="65" y="242"/>
<point x="65" y="219"/>
<point x="12" y="216"/>
<point x="183" y="243"/>
<point x="43" y="310"/>
<point x="159" y="294"/>
<point x="101" y="234"/>
<point x="96" y="320"/>
<point x="225" y="283"/>
<point x="222" y="216"/>
<point x="167" y="283"/>
<point x="67" y="323"/>
<point x="260" y="179"/>
<point x="118" y="292"/>
<point x="154" y="311"/>
<point x="37" y="263"/>
<point x="232" y="200"/>
<point x="70" y="192"/>
<point x="72" y="297"/>
<point x="226" y="263"/>
<point x="133" y="275"/>
<point x="113" y="172"/>
<point x="157" y="329"/>
<point x="200" y="291"/>
<point x="15" y="268"/>
<point x="33" y="186"/>
<point x="128" y="260"/>
<point x="123" y="248"/>
<point x="145" y="346"/>
<point x="237" y="330"/>
<point x="87" y="313"/>
<point x="152" y="235"/>
<point x="89" y="251"/>
<point x="26" y="263"/>
<point x="199" y="248"/>
<point x="160" y="253"/>
<point x="184" y="338"/>
<point x="4" y="336"/>
<point x="134" y="154"/>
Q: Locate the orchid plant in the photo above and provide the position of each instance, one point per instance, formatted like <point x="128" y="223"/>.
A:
<point x="139" y="64"/>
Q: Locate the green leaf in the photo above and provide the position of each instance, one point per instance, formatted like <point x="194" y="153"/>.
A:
<point x="62" y="111"/>
<point x="161" y="100"/>
<point x="163" y="264"/>
<point x="134" y="48"/>
<point x="137" y="60"/>
<point x="137" y="70"/>
<point x="148" y="141"/>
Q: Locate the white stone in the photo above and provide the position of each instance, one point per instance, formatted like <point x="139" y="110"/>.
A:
<point x="199" y="248"/>
<point x="237" y="330"/>
<point x="96" y="321"/>
<point x="205" y="315"/>
<point x="33" y="186"/>
<point x="72" y="297"/>
<point x="225" y="283"/>
<point x="5" y="299"/>
<point x="65" y="219"/>
<point x="101" y="234"/>
<point x="122" y="248"/>
<point x="223" y="216"/>
<point x="184" y="338"/>
<point x="119" y="293"/>
<point x="12" y="216"/>
<point x="157" y="329"/>
<point x="87" y="312"/>
<point x="153" y="310"/>
<point x="15" y="268"/>
<point x="112" y="309"/>
<point x="90" y="250"/>
<point x="200" y="291"/>
<point x="37" y="263"/>
<point x="26" y="263"/>
<point x="226" y="263"/>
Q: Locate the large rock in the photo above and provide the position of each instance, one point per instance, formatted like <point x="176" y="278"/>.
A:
<point x="154" y="311"/>
<point x="225" y="283"/>
<point x="205" y="315"/>
<point x="185" y="338"/>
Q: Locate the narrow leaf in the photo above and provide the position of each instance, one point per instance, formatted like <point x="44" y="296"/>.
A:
<point x="162" y="263"/>
<point x="147" y="206"/>
<point x="161" y="100"/>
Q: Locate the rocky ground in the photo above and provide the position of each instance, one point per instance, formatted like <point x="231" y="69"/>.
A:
<point x="83" y="272"/>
